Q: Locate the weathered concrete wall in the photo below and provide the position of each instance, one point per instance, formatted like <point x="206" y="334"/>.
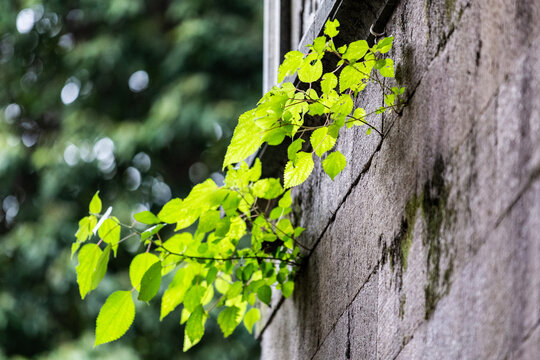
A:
<point x="428" y="245"/>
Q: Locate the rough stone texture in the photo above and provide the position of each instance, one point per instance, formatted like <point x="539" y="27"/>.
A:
<point x="428" y="245"/>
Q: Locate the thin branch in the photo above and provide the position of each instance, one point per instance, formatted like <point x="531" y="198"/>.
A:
<point x="230" y="258"/>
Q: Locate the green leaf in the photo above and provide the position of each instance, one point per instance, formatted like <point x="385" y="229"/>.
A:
<point x="267" y="188"/>
<point x="254" y="173"/>
<point x="222" y="284"/>
<point x="150" y="283"/>
<point x="385" y="67"/>
<point x="319" y="44"/>
<point x="251" y="317"/>
<point x="248" y="271"/>
<point x="298" y="231"/>
<point x="351" y="77"/>
<point x="151" y="231"/>
<point x="278" y="212"/>
<point x="146" y="217"/>
<point x="101" y="267"/>
<point x="74" y="247"/>
<point x="275" y="136"/>
<point x="184" y="316"/>
<point x="330" y="28"/>
<point x="310" y="70"/>
<point x="341" y="109"/>
<point x="356" y="50"/>
<point x="170" y="211"/>
<point x="264" y="293"/>
<point x="230" y="205"/>
<point x="328" y="83"/>
<point x="290" y="64"/>
<point x="287" y="288"/>
<point x="334" y="164"/>
<point x="95" y="204"/>
<point x="389" y="99"/>
<point x="211" y="275"/>
<point x="234" y="290"/>
<point x="86" y="225"/>
<point x="297" y="174"/>
<point x="194" y="327"/>
<point x="360" y="114"/>
<point x="321" y="141"/>
<point x="174" y="294"/>
<point x="316" y="108"/>
<point x="228" y="320"/>
<point x="208" y="221"/>
<point x="294" y="148"/>
<point x="139" y="266"/>
<point x="285" y="227"/>
<point x="245" y="141"/>
<point x="384" y="45"/>
<point x="115" y="317"/>
<point x="88" y="258"/>
<point x="202" y="197"/>
<point x="286" y="200"/>
<point x="109" y="231"/>
<point x="193" y="297"/>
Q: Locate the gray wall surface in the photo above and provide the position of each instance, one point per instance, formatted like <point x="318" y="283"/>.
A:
<point x="427" y="246"/>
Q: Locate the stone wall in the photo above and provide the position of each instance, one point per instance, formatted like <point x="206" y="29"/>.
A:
<point x="428" y="245"/>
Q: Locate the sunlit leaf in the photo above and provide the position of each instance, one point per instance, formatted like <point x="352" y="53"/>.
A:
<point x="310" y="70"/>
<point x="292" y="61"/>
<point x="267" y="188"/>
<point x="321" y="141"/>
<point x="109" y="231"/>
<point x="171" y="211"/>
<point x="287" y="289"/>
<point x="150" y="283"/>
<point x="95" y="204"/>
<point x="297" y="174"/>
<point x="101" y="267"/>
<point x="334" y="164"/>
<point x="88" y="259"/>
<point x="356" y="50"/>
<point x="194" y="327"/>
<point x="174" y="295"/>
<point x="115" y="317"/>
<point x="138" y="267"/>
<point x="385" y="67"/>
<point x="245" y="141"/>
<point x="384" y="45"/>
<point x="228" y="320"/>
<point x="330" y="28"/>
<point x="146" y="217"/>
<point x="250" y="318"/>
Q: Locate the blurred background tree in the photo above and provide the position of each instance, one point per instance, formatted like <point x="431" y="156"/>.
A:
<point x="137" y="99"/>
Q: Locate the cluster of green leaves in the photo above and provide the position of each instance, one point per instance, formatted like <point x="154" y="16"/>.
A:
<point x="208" y="262"/>
<point x="243" y="242"/>
<point x="281" y="112"/>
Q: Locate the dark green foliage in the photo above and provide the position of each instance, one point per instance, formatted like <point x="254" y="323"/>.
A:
<point x="179" y="124"/>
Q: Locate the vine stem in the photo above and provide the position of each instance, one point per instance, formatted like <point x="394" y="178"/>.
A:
<point x="272" y="226"/>
<point x="230" y="258"/>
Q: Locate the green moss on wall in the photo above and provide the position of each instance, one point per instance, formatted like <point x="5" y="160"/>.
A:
<point x="434" y="212"/>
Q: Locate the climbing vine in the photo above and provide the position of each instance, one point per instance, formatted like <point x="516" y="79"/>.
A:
<point x="245" y="246"/>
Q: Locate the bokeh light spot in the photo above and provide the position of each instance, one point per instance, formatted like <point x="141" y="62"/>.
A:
<point x="138" y="81"/>
<point x="25" y="21"/>
<point x="70" y="92"/>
